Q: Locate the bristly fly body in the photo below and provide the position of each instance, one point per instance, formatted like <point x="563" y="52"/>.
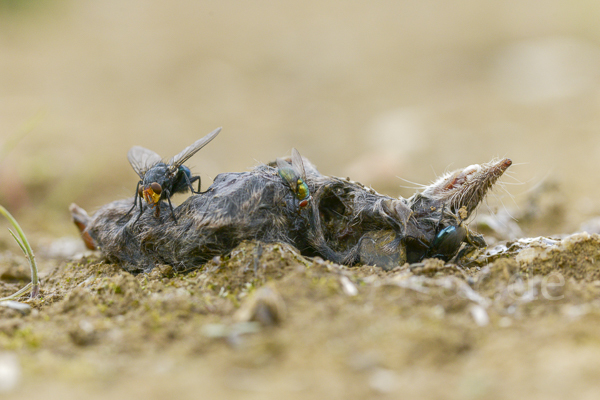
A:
<point x="160" y="180"/>
<point x="295" y="177"/>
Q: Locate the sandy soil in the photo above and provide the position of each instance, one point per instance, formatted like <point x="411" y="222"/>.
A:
<point x="281" y="325"/>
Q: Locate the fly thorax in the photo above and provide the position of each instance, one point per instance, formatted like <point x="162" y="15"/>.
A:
<point x="185" y="170"/>
<point x="157" y="173"/>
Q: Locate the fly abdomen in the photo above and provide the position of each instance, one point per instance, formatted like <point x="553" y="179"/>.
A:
<point x="184" y="180"/>
<point x="294" y="175"/>
<point x="302" y="192"/>
<point x="447" y="242"/>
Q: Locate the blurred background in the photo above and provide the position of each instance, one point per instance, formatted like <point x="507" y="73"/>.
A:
<point x="376" y="91"/>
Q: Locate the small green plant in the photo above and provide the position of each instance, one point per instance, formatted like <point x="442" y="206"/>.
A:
<point x="21" y="240"/>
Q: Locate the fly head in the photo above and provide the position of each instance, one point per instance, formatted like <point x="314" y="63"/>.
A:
<point x="157" y="180"/>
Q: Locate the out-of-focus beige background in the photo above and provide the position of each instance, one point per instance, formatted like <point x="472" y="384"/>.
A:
<point x="371" y="90"/>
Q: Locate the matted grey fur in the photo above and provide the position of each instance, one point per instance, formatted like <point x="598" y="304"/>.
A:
<point x="345" y="221"/>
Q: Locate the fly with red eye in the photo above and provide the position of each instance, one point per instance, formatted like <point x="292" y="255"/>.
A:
<point x="160" y="180"/>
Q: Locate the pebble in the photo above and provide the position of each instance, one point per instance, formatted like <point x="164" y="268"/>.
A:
<point x="10" y="372"/>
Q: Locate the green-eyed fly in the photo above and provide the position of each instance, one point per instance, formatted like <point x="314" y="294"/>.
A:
<point x="160" y="180"/>
<point x="295" y="177"/>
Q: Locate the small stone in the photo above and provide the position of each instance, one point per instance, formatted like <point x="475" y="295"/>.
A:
<point x="479" y="315"/>
<point x="23" y="308"/>
<point x="383" y="380"/>
<point x="348" y="287"/>
<point x="264" y="306"/>
<point x="10" y="372"/>
<point x="83" y="334"/>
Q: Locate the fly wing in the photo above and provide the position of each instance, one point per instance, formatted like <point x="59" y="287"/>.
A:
<point x="286" y="171"/>
<point x="192" y="149"/>
<point x="297" y="163"/>
<point x="282" y="164"/>
<point x="141" y="159"/>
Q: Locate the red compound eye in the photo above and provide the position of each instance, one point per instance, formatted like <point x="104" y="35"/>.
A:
<point x="156" y="188"/>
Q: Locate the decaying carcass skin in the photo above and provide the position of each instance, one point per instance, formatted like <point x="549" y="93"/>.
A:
<point x="237" y="207"/>
<point x="345" y="222"/>
<point x="352" y="224"/>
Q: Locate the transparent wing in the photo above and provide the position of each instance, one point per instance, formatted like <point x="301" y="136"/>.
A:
<point x="141" y="159"/>
<point x="192" y="149"/>
<point x="298" y="164"/>
<point x="282" y="164"/>
<point x="286" y="171"/>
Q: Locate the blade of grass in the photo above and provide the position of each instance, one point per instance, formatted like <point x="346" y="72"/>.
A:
<point x="18" y="242"/>
<point x="24" y="244"/>
<point x="26" y="289"/>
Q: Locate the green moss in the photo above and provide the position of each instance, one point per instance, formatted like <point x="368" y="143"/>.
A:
<point x="22" y="338"/>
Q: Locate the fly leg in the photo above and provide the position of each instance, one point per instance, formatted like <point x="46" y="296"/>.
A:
<point x="191" y="180"/>
<point x="167" y="195"/>
<point x="135" y="198"/>
<point x="141" y="210"/>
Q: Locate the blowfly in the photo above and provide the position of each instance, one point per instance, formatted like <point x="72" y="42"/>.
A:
<point x="160" y="180"/>
<point x="295" y="177"/>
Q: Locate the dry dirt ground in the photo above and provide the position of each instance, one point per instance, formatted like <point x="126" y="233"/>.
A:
<point x="266" y="323"/>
